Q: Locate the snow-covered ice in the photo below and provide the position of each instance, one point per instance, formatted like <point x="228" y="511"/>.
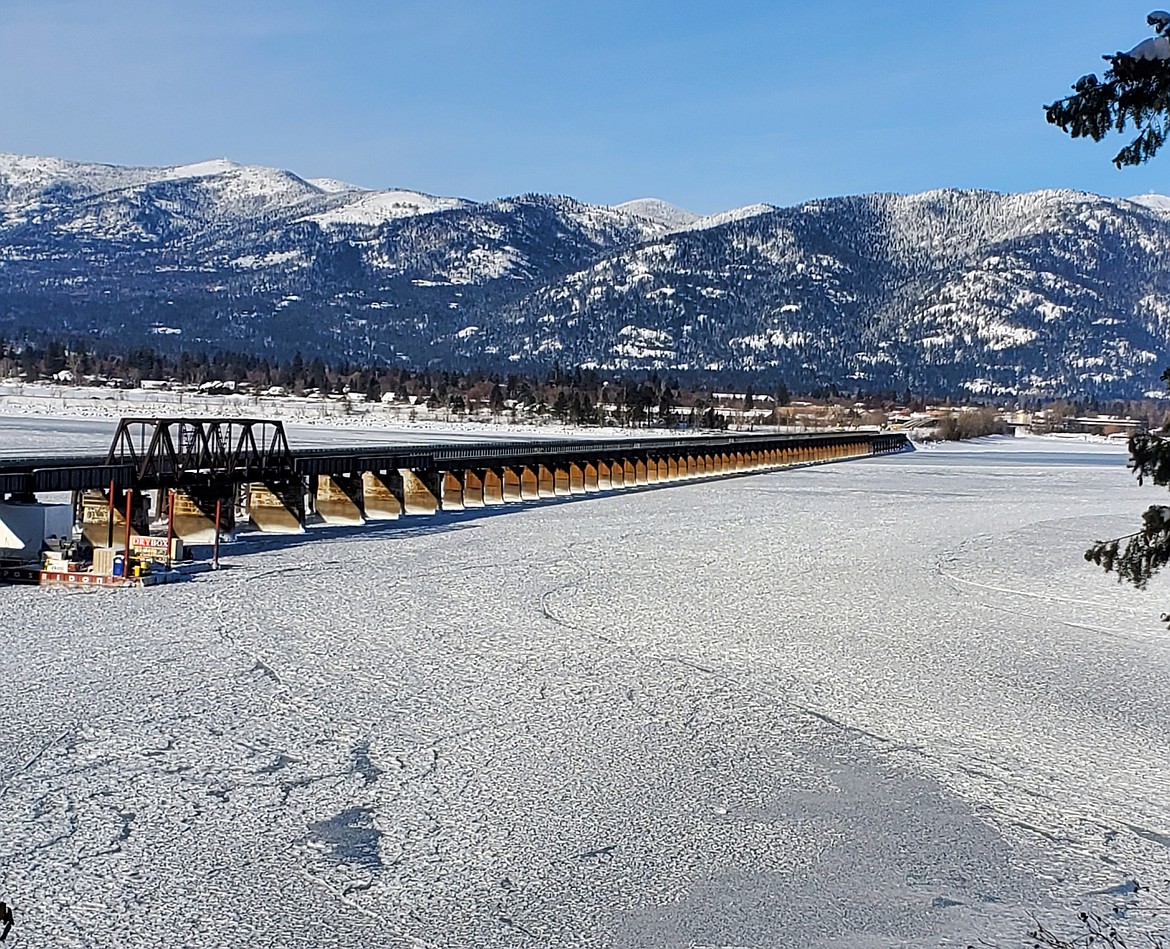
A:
<point x="882" y="703"/>
<point x="52" y="420"/>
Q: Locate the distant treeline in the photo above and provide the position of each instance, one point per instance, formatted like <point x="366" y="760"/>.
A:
<point x="571" y="395"/>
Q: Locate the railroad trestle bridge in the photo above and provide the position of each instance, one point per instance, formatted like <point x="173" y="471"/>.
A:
<point x="210" y="474"/>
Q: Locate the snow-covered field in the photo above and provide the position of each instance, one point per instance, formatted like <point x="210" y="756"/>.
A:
<point x="882" y="703"/>
<point x="25" y="434"/>
<point x="55" y="419"/>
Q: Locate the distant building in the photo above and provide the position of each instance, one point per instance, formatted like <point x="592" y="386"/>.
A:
<point x="1106" y="425"/>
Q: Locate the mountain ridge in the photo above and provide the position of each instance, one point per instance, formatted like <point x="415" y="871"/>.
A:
<point x="1045" y="293"/>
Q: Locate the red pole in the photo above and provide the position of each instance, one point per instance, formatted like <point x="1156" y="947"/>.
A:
<point x="110" y="512"/>
<point x="170" y="524"/>
<point x="218" y="514"/>
<point x="126" y="552"/>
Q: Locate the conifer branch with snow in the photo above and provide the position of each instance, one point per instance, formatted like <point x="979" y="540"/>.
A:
<point x="1134" y="92"/>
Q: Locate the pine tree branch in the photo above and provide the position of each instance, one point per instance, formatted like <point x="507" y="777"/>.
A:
<point x="1132" y="92"/>
<point x="1144" y="554"/>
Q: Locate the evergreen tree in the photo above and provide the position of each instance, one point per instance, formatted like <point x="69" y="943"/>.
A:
<point x="373" y="389"/>
<point x="588" y="409"/>
<point x="666" y="407"/>
<point x="1133" y="92"/>
<point x="560" y="407"/>
<point x="496" y="399"/>
<point x="1137" y="557"/>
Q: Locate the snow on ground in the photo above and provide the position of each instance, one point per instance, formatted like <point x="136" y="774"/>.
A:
<point x="21" y="435"/>
<point x="56" y="420"/>
<point x="875" y="704"/>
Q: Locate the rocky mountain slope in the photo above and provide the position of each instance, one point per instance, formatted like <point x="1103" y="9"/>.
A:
<point x="1050" y="293"/>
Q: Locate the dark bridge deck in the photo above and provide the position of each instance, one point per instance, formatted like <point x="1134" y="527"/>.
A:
<point x="178" y="453"/>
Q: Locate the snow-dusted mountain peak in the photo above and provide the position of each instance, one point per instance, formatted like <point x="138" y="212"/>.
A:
<point x="1156" y="202"/>
<point x="200" y="169"/>
<point x="27" y="181"/>
<point x="660" y="212"/>
<point x="735" y="214"/>
<point x="334" y="186"/>
<point x="675" y="219"/>
<point x="371" y="208"/>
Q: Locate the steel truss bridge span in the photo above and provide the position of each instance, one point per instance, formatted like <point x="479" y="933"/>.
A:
<point x="149" y="453"/>
<point x="220" y="470"/>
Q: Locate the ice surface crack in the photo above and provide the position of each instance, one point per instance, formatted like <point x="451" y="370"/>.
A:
<point x="599" y="853"/>
<point x="34" y="759"/>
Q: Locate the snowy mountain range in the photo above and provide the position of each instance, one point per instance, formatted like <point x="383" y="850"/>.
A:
<point x="1046" y="293"/>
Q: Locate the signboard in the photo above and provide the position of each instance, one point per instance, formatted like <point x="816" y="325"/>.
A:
<point x="155" y="548"/>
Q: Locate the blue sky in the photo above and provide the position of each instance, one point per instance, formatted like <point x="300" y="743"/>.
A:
<point x="707" y="105"/>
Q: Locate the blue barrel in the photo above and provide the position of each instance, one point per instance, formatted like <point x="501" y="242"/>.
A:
<point x="119" y="566"/>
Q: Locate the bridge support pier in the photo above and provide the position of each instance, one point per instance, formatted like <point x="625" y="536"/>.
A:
<point x="562" y="482"/>
<point x="452" y="490"/>
<point x="529" y="484"/>
<point x="591" y="483"/>
<point x="473" y="489"/>
<point x="546" y="486"/>
<point x="277" y="507"/>
<point x="339" y="499"/>
<point x="576" y="479"/>
<point x="493" y="487"/>
<point x="95" y="516"/>
<point x="420" y="491"/>
<point x="512" y="484"/>
<point x="195" y="513"/>
<point x="382" y="495"/>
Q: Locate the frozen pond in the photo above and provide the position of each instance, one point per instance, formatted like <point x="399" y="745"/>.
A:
<point x="883" y="703"/>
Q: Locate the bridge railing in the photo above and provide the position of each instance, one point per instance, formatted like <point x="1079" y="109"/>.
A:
<point x="161" y="452"/>
<point x="488" y="450"/>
